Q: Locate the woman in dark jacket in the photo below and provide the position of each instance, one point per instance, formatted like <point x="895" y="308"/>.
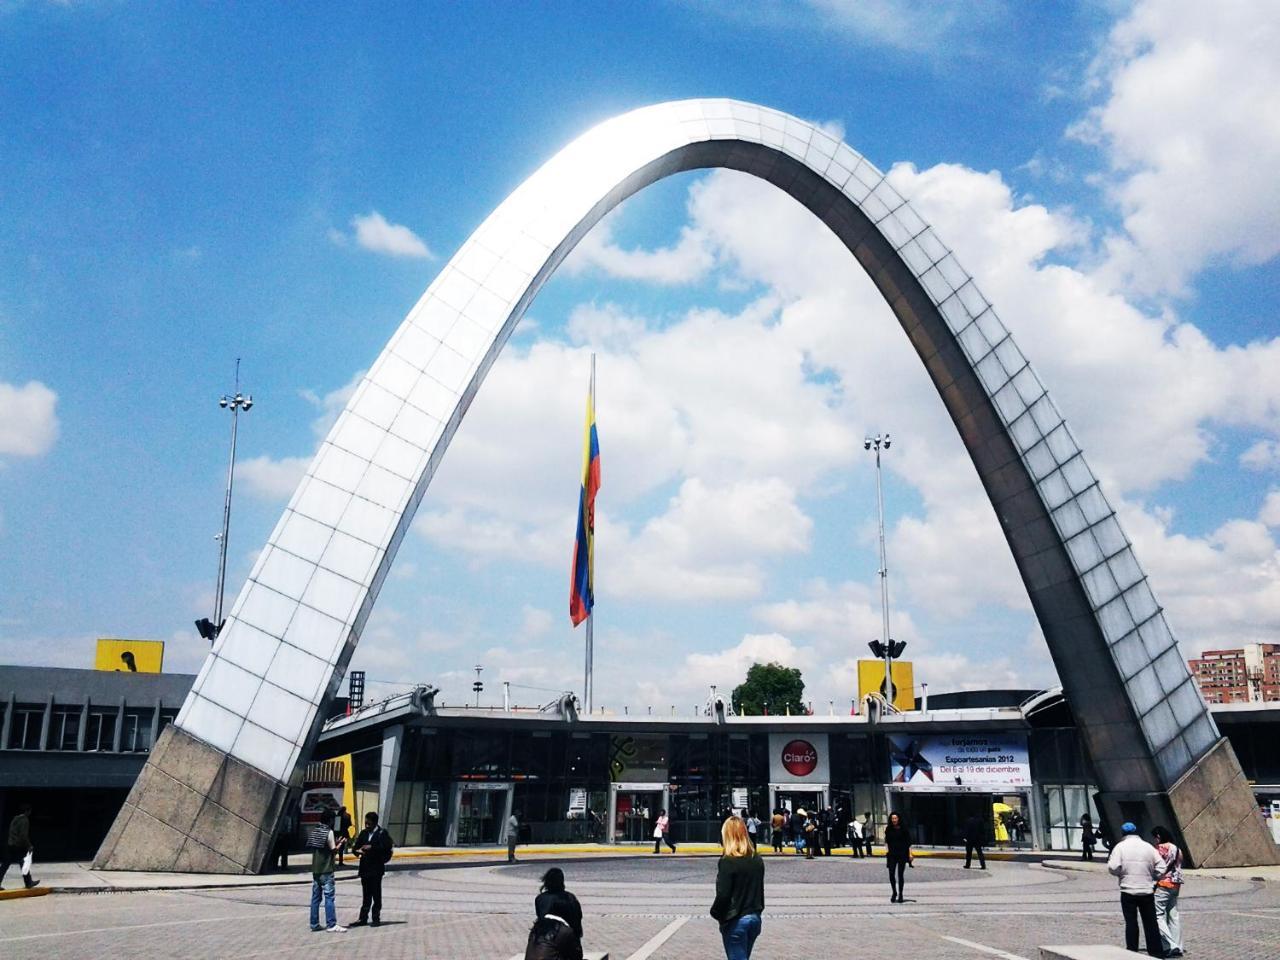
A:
<point x="739" y="891"/>
<point x="897" y="841"/>
<point x="557" y="933"/>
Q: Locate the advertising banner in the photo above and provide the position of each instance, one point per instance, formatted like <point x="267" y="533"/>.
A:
<point x="970" y="759"/>
<point x="129" y="656"/>
<point x="801" y="758"/>
<point x="871" y="680"/>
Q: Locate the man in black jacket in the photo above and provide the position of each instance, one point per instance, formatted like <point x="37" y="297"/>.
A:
<point x="975" y="835"/>
<point x="373" y="847"/>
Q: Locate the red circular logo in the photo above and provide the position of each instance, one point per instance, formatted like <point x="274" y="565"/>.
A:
<point x="800" y="758"/>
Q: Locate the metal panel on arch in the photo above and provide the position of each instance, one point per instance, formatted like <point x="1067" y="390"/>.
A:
<point x="212" y="792"/>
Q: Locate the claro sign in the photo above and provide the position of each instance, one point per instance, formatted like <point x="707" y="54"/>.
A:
<point x="795" y="759"/>
<point x="799" y="758"/>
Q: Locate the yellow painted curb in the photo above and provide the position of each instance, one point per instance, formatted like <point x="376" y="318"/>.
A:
<point x="639" y="850"/>
<point x="24" y="892"/>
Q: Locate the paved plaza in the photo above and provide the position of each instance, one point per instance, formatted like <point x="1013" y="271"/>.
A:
<point x="648" y="908"/>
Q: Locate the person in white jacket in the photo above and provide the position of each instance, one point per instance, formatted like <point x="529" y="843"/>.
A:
<point x="1138" y="865"/>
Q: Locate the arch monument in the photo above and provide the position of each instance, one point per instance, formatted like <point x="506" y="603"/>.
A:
<point x="212" y="792"/>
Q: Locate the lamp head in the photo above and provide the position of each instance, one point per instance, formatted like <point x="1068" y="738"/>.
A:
<point x="222" y="402"/>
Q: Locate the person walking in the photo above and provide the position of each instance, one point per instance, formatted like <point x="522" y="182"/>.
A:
<point x="777" y="830"/>
<point x="324" y="847"/>
<point x="809" y="830"/>
<point x="1166" y="893"/>
<point x="373" y="846"/>
<point x="1137" y="865"/>
<point x="868" y="833"/>
<point x="18" y="848"/>
<point x="753" y="828"/>
<point x="795" y="829"/>
<point x="855" y="838"/>
<point x="739" y="900"/>
<point x="662" y="833"/>
<point x="557" y="932"/>
<point x="826" y="827"/>
<point x="975" y="835"/>
<point x="343" y="832"/>
<point x="897" y="841"/>
<point x="1088" y="839"/>
<point x="513" y="836"/>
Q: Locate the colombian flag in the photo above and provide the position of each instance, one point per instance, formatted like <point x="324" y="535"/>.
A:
<point x="582" y="589"/>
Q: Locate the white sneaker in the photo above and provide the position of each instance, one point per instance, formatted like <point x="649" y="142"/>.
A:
<point x="336" y="928"/>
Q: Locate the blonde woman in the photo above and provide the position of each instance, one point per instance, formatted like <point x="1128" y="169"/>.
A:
<point x="739" y="891"/>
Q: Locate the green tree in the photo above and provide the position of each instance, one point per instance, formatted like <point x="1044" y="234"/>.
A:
<point x="773" y="684"/>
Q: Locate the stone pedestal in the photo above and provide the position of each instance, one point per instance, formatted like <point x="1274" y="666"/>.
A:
<point x="1211" y="806"/>
<point x="194" y="809"/>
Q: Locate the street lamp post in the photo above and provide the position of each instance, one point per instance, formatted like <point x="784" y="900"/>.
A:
<point x="877" y="444"/>
<point x="235" y="404"/>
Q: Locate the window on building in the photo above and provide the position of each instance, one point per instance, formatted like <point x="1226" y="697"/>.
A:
<point x="64" y="728"/>
<point x="166" y="717"/>
<point x="24" y="728"/>
<point x="136" y="732"/>
<point x="100" y="730"/>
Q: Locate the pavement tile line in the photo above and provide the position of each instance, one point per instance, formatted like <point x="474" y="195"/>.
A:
<point x="657" y="940"/>
<point x="983" y="948"/>
<point x="140" y="926"/>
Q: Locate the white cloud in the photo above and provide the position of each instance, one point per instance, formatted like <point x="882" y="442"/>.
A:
<point x="269" y="479"/>
<point x="1263" y="455"/>
<point x="1221" y="589"/>
<point x="1193" y="138"/>
<point x="685" y="262"/>
<point x="28" y="419"/>
<point x="373" y="232"/>
<point x="1270" y="512"/>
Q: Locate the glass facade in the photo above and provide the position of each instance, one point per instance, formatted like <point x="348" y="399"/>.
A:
<point x="454" y="784"/>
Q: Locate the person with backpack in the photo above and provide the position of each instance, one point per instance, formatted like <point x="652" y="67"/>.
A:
<point x="373" y="846"/>
<point x="1166" y="892"/>
<point x="557" y="933"/>
<point x="854" y="833"/>
<point x="810" y="829"/>
<point x="324" y="846"/>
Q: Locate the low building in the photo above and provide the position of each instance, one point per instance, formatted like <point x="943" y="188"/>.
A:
<point x="71" y="744"/>
<point x="446" y="776"/>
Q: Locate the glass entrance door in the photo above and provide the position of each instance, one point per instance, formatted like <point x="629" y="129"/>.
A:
<point x="634" y="814"/>
<point x="480" y="815"/>
<point x="810" y="801"/>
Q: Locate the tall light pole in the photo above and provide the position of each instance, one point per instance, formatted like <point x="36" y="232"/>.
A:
<point x="235" y="403"/>
<point x="877" y="444"/>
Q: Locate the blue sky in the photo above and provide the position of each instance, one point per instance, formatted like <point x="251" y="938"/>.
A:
<point x="183" y="185"/>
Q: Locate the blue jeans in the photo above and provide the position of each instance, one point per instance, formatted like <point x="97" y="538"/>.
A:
<point x="323" y="884"/>
<point x="739" y="936"/>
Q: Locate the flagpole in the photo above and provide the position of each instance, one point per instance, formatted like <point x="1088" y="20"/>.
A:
<point x="591" y="617"/>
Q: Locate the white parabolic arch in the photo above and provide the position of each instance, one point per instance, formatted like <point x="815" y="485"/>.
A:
<point x="296" y="622"/>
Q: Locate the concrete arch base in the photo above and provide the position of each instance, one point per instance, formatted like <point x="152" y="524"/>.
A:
<point x="194" y="809"/>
